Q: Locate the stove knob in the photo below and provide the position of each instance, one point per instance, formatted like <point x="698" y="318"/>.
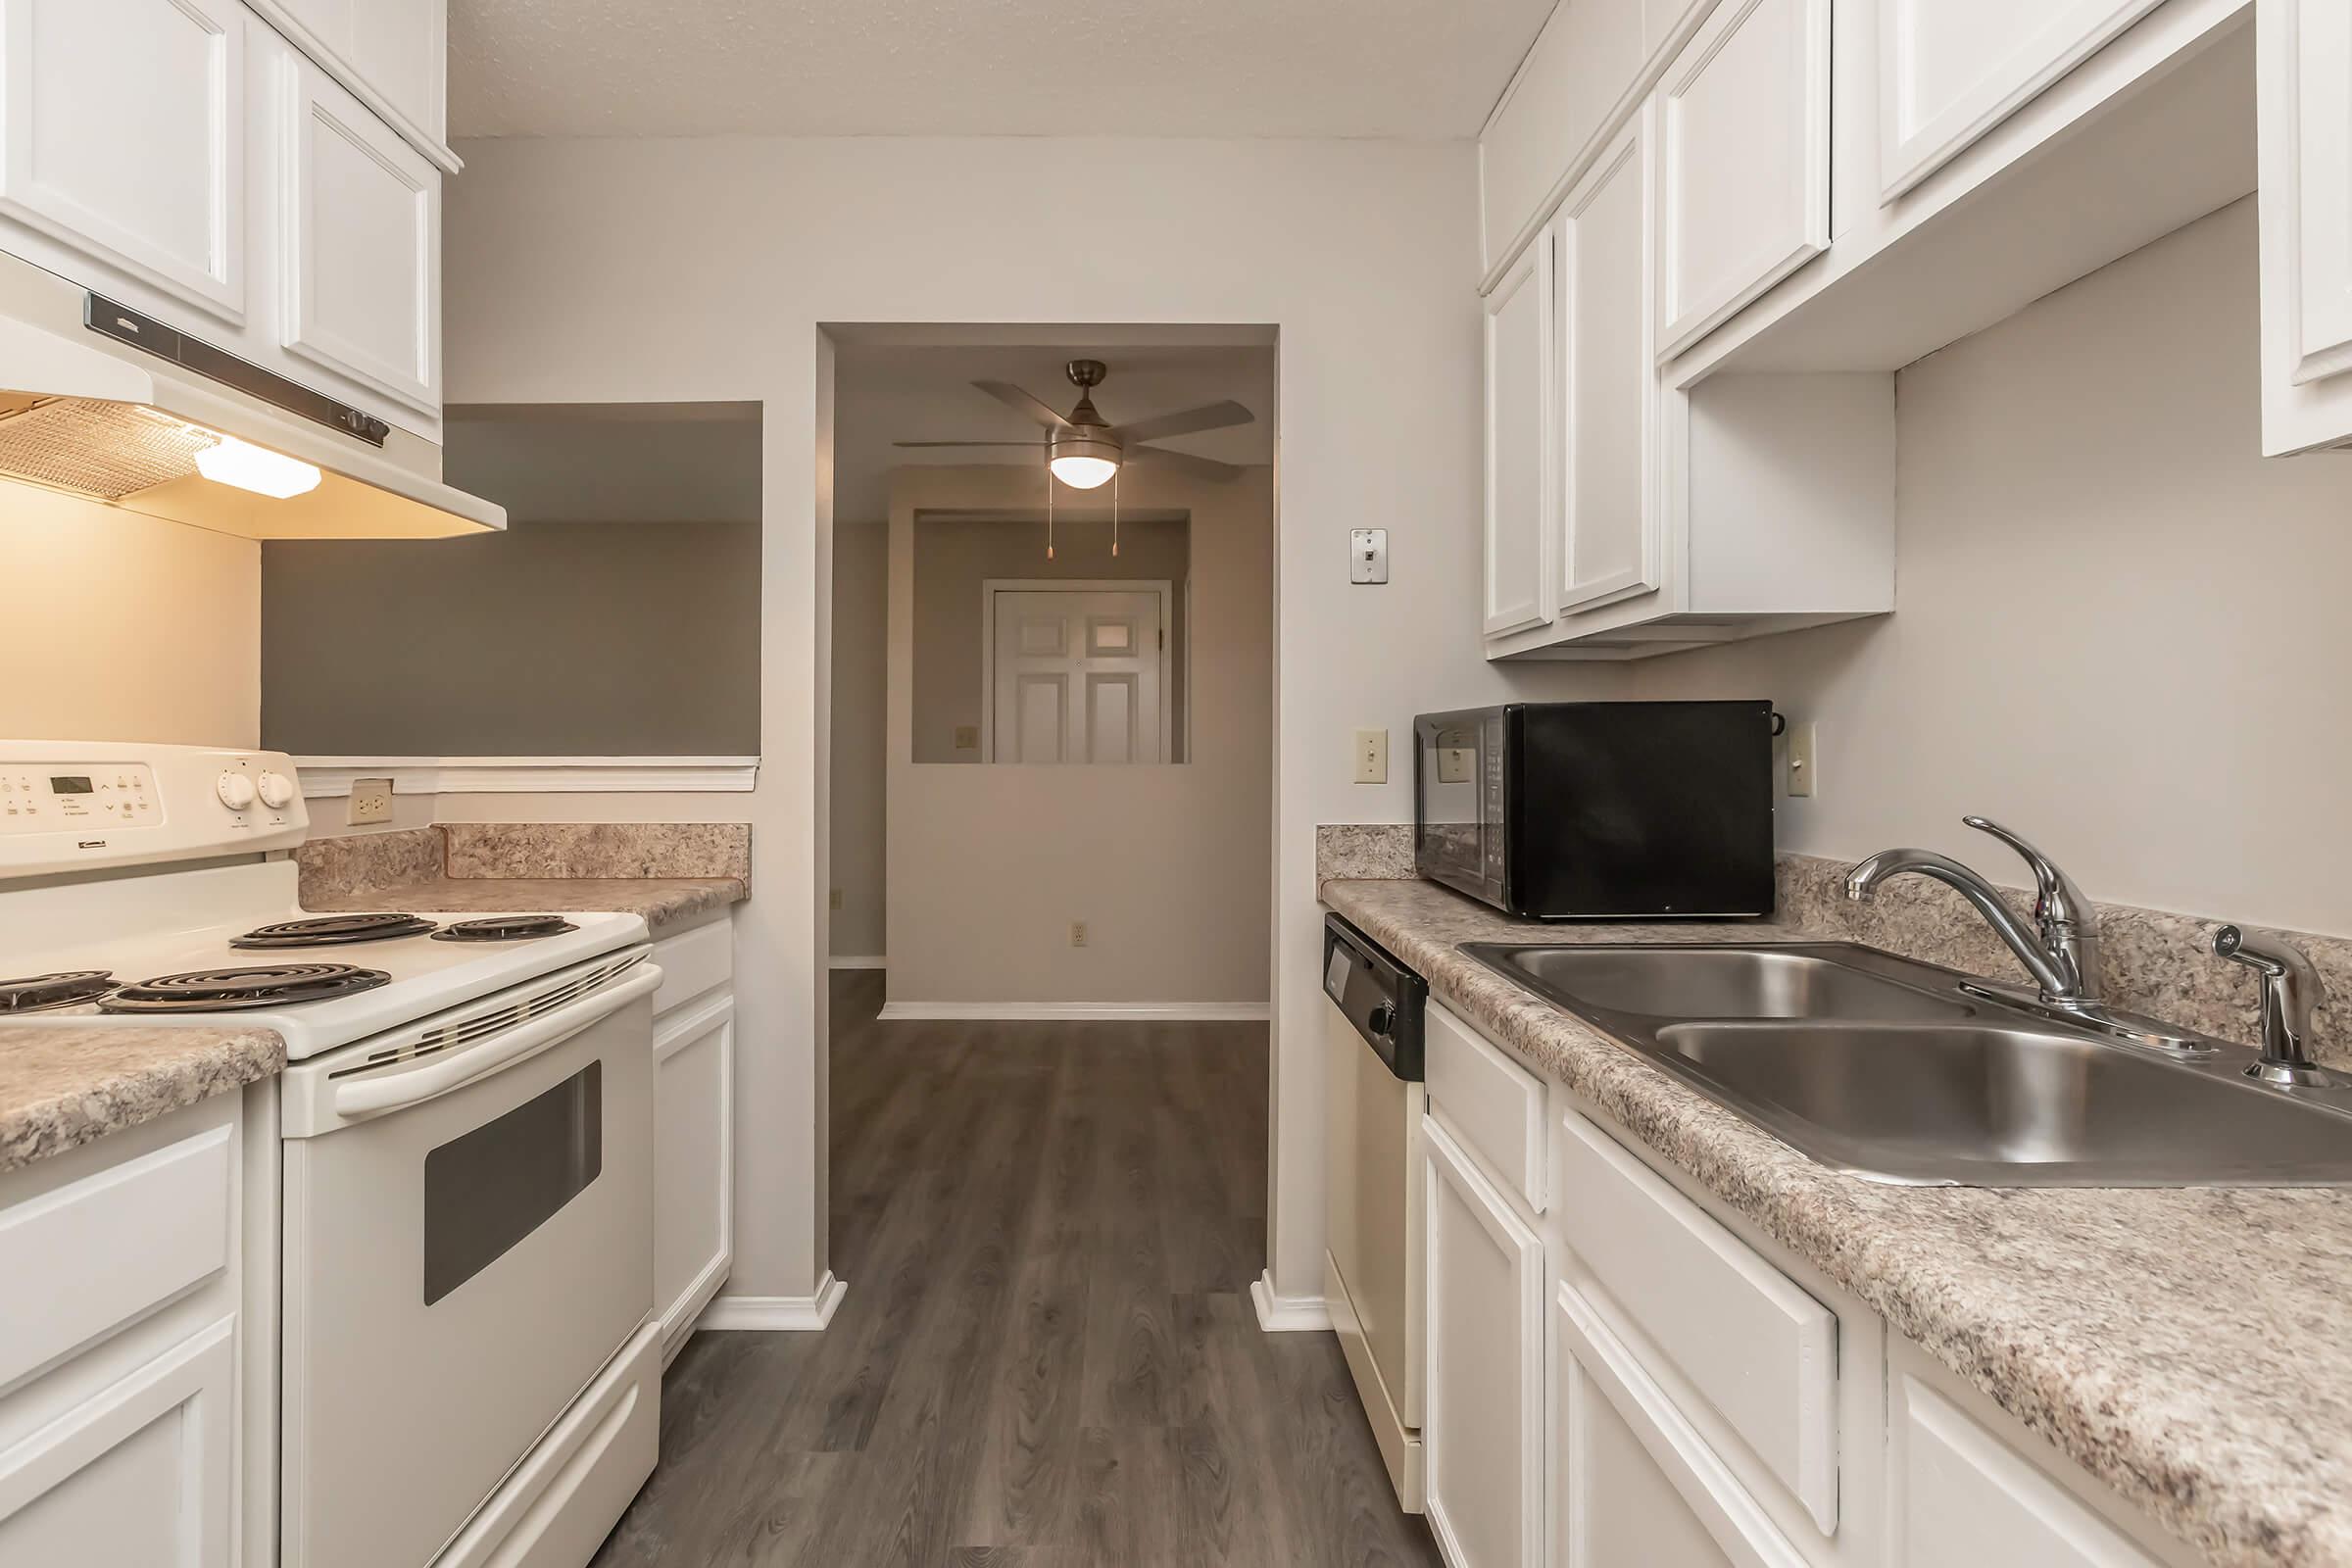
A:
<point x="277" y="791"/>
<point x="235" y="790"/>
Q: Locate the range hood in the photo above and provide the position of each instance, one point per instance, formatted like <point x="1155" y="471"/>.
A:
<point x="100" y="401"/>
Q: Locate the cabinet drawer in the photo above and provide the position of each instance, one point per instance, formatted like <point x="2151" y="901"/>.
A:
<point x="1761" y="1352"/>
<point x="107" y="1250"/>
<point x="1495" y="1106"/>
<point x="693" y="962"/>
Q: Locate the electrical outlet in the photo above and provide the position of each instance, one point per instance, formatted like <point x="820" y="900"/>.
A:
<point x="370" y="802"/>
<point x="1077" y="933"/>
<point x="968" y="737"/>
<point x="836" y="900"/>
<point x="1371" y="757"/>
<point x="1804" y="767"/>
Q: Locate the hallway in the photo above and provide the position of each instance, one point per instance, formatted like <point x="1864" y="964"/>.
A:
<point x="1047" y="1356"/>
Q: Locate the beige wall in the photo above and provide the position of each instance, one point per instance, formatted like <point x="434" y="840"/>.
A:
<point x="954" y="556"/>
<point x="1166" y="865"/>
<point x="860" y="610"/>
<point x="1362" y="255"/>
<point x="124" y="627"/>
<point x="2118" y="628"/>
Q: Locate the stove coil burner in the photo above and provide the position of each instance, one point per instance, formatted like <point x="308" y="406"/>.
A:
<point x="321" y="930"/>
<point x="505" y="928"/>
<point x="41" y="992"/>
<point x="256" y="986"/>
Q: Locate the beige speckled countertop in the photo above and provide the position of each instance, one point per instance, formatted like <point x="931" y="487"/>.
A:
<point x="663" y="901"/>
<point x="64" y="1083"/>
<point x="2186" y="1346"/>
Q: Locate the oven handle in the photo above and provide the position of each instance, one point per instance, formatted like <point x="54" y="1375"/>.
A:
<point x="373" y="1097"/>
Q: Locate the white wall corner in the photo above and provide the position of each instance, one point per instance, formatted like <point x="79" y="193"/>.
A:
<point x="1287" y="1315"/>
<point x="776" y="1313"/>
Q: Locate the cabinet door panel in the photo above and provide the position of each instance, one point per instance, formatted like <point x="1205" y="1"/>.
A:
<point x="1608" y="381"/>
<point x="123" y="137"/>
<point x="363" y="244"/>
<point x="1743" y="141"/>
<point x="140" y="1474"/>
<point x="1950" y="71"/>
<point x="1482" y="1433"/>
<point x="2305" y="53"/>
<point x="1519" y="338"/>
<point x="1964" y="1497"/>
<point x="694" y="1162"/>
<point x="1633" y="1482"/>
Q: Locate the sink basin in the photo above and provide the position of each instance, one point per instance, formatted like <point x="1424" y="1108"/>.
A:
<point x="1884" y="1069"/>
<point x="1713" y="982"/>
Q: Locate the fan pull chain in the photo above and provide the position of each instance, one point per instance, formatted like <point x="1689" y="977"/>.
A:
<point x="1114" y="512"/>
<point x="1049" y="514"/>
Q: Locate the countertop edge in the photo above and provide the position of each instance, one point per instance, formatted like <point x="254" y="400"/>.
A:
<point x="127" y="1097"/>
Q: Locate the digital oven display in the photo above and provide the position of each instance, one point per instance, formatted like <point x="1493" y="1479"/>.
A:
<point x="69" y="784"/>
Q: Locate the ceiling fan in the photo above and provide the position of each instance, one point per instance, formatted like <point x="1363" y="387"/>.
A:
<point x="1085" y="450"/>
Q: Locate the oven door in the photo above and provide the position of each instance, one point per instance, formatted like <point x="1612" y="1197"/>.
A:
<point x="468" y="1238"/>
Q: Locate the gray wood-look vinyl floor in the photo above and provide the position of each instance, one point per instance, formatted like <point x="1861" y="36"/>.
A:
<point x="1047" y="1356"/>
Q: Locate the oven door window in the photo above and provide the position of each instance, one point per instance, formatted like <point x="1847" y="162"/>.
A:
<point x="486" y="1191"/>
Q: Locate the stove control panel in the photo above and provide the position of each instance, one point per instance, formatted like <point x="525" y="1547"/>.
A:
<point x="68" y="805"/>
<point x="53" y="797"/>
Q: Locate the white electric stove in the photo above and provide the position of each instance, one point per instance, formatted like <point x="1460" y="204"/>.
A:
<point x="470" y="1370"/>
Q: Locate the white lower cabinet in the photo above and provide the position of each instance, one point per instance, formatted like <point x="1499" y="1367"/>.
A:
<point x="1624" y="1487"/>
<point x="694" y="1126"/>
<point x="1631" y="1378"/>
<point x="1962" y="1495"/>
<point x="1482" y="1417"/>
<point x="125" y="1338"/>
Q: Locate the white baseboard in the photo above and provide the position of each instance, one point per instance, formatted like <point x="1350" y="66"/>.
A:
<point x="776" y="1313"/>
<point x="1078" y="1011"/>
<point x="841" y="961"/>
<point x="1286" y="1315"/>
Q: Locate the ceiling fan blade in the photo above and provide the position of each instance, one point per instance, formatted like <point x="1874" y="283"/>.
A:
<point x="1207" y="417"/>
<point x="1184" y="462"/>
<point x="1011" y="396"/>
<point x="1031" y="445"/>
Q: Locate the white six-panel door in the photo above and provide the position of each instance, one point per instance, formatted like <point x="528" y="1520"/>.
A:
<point x="123" y="139"/>
<point x="1078" y="674"/>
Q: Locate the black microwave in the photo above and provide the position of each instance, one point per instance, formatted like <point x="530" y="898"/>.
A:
<point x="1598" y="810"/>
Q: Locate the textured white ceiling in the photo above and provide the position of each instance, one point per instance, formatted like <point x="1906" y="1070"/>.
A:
<point x="889" y="392"/>
<point x="1412" y="68"/>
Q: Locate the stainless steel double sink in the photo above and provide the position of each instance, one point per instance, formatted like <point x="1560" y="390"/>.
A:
<point x="1901" y="1071"/>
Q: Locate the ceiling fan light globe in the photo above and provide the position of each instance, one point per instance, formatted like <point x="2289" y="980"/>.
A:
<point x="1081" y="472"/>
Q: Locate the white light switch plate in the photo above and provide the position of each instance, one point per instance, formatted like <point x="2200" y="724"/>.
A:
<point x="1368" y="554"/>
<point x="1804" y="770"/>
<point x="1371" y="757"/>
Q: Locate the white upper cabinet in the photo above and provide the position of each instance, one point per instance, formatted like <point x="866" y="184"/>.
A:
<point x="1744" y="160"/>
<point x="2304" y="53"/>
<point x="1571" y="89"/>
<point x="362" y="243"/>
<point x="123" y="147"/>
<point x="1519" y="493"/>
<point x="1950" y="71"/>
<point x="1607" y="430"/>
<point x="397" y="49"/>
